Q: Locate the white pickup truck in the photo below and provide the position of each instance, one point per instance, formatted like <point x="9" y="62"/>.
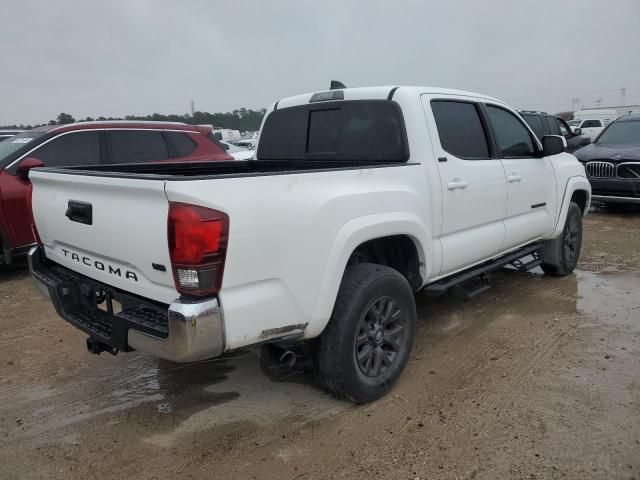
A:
<point x="357" y="199"/>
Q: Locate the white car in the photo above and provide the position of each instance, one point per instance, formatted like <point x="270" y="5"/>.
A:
<point x="589" y="128"/>
<point x="592" y="121"/>
<point x="238" y="153"/>
<point x="358" y="198"/>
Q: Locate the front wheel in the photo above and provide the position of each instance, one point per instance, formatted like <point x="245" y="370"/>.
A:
<point x="368" y="340"/>
<point x="560" y="255"/>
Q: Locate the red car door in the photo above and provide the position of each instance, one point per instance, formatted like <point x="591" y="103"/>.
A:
<point x="71" y="148"/>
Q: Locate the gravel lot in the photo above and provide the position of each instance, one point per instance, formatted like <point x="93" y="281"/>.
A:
<point x="537" y="378"/>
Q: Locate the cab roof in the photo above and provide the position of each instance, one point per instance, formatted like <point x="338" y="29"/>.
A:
<point x="380" y="93"/>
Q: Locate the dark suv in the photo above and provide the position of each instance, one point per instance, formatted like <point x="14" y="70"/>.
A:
<point x="544" y="124"/>
<point x="86" y="143"/>
<point x="612" y="162"/>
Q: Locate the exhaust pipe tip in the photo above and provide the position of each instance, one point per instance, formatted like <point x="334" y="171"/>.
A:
<point x="288" y="359"/>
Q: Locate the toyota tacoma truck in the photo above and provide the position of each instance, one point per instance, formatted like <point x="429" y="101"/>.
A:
<point x="358" y="198"/>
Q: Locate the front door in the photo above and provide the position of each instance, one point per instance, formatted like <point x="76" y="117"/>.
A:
<point x="531" y="186"/>
<point x="473" y="185"/>
<point x="73" y="148"/>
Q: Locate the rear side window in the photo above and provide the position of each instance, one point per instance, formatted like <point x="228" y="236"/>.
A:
<point x="563" y="129"/>
<point x="182" y="143"/>
<point x="368" y="130"/>
<point x="460" y="129"/>
<point x="535" y="122"/>
<point x="554" y="125"/>
<point x="135" y="146"/>
<point x="513" y="138"/>
<point x="76" y="148"/>
<point x="591" y="123"/>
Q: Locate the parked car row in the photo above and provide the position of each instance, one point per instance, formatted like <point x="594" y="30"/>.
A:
<point x="612" y="162"/>
<point x="593" y="121"/>
<point x="544" y="124"/>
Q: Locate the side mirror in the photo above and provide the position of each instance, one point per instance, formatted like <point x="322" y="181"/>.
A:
<point x="553" y="144"/>
<point x="26" y="165"/>
<point x="577" y="131"/>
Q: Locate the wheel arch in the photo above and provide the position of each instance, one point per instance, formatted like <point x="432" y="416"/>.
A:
<point x="577" y="190"/>
<point x="362" y="234"/>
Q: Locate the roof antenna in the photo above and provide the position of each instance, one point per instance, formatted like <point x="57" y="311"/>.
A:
<point x="336" y="85"/>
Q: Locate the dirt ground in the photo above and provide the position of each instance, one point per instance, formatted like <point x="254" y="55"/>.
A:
<point x="537" y="378"/>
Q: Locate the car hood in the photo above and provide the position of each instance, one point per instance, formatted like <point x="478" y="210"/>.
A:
<point x="609" y="152"/>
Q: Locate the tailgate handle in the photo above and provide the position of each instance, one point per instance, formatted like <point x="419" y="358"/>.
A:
<point x="81" y="212"/>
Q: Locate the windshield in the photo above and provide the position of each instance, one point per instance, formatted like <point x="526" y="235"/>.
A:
<point x="621" y="132"/>
<point x="574" y="123"/>
<point x="12" y="144"/>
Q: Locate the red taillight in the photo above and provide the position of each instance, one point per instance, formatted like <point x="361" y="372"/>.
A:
<point x="197" y="247"/>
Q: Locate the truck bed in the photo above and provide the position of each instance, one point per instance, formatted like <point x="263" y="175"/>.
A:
<point x="218" y="169"/>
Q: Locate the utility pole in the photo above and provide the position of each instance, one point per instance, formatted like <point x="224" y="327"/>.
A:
<point x="623" y="96"/>
<point x="193" y="107"/>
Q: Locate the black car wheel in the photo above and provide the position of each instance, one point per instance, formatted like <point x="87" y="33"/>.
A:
<point x="368" y="340"/>
<point x="560" y="255"/>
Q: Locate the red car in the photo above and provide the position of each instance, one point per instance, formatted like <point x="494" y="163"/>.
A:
<point x="86" y="143"/>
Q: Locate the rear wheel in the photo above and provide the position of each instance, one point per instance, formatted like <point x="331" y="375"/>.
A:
<point x="560" y="255"/>
<point x="368" y="340"/>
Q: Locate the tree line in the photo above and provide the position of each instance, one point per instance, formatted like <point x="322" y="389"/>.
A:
<point x="243" y="119"/>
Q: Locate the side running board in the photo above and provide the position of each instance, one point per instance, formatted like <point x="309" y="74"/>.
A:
<point x="471" y="282"/>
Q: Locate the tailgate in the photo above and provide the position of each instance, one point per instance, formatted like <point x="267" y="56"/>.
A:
<point x="117" y="233"/>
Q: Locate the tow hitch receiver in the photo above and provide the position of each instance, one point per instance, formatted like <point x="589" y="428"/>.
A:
<point x="96" y="347"/>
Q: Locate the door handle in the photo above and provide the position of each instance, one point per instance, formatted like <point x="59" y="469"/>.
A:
<point x="514" y="178"/>
<point x="455" y="184"/>
<point x="81" y="212"/>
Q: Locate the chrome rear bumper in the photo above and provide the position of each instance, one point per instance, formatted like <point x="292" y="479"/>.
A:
<point x="195" y="329"/>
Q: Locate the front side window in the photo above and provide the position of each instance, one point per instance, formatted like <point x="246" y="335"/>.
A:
<point x="75" y="148"/>
<point x="136" y="146"/>
<point x="366" y="130"/>
<point x="513" y="138"/>
<point x="460" y="129"/>
<point x="17" y="144"/>
<point x="591" y="124"/>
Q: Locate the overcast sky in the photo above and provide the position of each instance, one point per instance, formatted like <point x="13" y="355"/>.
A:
<point x="118" y="57"/>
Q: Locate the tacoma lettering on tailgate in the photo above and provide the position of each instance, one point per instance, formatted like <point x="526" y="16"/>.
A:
<point x="117" y="271"/>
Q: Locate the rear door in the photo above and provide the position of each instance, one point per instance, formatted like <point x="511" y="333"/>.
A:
<point x="473" y="185"/>
<point x="111" y="229"/>
<point x="531" y="188"/>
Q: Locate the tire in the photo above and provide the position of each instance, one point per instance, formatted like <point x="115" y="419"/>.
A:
<point x="560" y="255"/>
<point x="368" y="340"/>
